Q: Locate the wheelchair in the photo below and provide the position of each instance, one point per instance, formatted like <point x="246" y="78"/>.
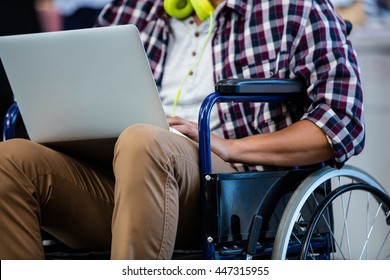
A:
<point x="311" y="212"/>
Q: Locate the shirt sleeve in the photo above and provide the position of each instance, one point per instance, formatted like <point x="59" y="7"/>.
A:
<point x="325" y="58"/>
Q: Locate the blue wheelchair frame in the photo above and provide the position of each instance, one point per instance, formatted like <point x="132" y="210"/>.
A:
<point x="217" y="187"/>
<point x="242" y="90"/>
<point x="10" y="121"/>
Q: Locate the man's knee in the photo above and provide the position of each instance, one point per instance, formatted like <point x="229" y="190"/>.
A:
<point x="16" y="156"/>
<point x="140" y="137"/>
<point x="17" y="148"/>
<point x="28" y="157"/>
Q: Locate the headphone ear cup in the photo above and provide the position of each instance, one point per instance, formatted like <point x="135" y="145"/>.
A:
<point x="203" y="8"/>
<point x="178" y="8"/>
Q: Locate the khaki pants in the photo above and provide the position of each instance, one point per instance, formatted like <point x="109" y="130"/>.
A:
<point x="143" y="208"/>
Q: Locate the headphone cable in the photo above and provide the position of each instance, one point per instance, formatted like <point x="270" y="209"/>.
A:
<point x="178" y="93"/>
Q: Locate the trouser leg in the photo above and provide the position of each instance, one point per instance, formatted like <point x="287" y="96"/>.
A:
<point x="43" y="188"/>
<point x="157" y="199"/>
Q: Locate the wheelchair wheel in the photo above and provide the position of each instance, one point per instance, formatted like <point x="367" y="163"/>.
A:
<point x="336" y="214"/>
<point x="366" y="240"/>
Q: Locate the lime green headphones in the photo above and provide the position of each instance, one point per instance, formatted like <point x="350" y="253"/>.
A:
<point x="183" y="8"/>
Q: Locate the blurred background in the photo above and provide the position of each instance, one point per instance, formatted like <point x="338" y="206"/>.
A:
<point x="370" y="37"/>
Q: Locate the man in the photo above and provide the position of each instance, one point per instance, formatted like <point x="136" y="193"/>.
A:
<point x="150" y="203"/>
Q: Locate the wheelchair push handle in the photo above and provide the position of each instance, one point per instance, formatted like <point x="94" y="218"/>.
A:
<point x="242" y="90"/>
<point x="9" y="121"/>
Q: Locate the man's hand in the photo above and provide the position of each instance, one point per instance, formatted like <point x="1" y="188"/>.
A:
<point x="188" y="128"/>
<point x="218" y="144"/>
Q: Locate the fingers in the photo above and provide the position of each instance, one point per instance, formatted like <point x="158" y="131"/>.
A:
<point x="186" y="127"/>
<point x="180" y="121"/>
<point x="175" y="120"/>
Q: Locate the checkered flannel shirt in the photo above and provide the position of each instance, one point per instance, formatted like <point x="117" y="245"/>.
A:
<point x="299" y="39"/>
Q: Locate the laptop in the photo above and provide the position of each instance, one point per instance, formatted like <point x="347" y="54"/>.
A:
<point x="78" y="90"/>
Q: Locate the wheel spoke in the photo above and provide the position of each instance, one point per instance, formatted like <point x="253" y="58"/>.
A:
<point x="370" y="231"/>
<point x="382" y="246"/>
<point x="345" y="227"/>
<point x="331" y="232"/>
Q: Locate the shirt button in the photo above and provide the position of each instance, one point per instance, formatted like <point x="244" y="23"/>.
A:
<point x="191" y="73"/>
<point x="196" y="34"/>
<point x="193" y="53"/>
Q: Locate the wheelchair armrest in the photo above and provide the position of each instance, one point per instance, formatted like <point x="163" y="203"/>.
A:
<point x="242" y="90"/>
<point x="10" y="121"/>
<point x="258" y="87"/>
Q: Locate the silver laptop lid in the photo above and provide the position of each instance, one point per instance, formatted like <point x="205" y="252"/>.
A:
<point x="81" y="84"/>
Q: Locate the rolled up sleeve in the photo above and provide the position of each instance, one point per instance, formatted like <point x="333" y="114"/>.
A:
<point x="334" y="96"/>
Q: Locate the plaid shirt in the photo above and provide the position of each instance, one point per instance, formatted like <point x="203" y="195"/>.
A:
<point x="299" y="39"/>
